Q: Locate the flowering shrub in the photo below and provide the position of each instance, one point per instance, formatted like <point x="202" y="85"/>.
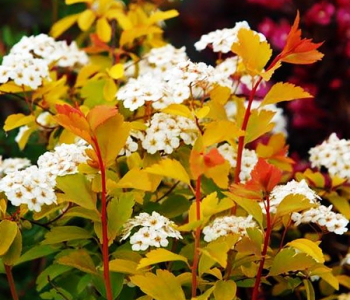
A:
<point x="161" y="180"/>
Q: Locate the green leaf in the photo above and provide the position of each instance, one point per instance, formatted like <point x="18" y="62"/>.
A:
<point x="8" y="232"/>
<point x="205" y="295"/>
<point x="287" y="260"/>
<point x="117" y="281"/>
<point x="36" y="252"/>
<point x="174" y="206"/>
<point x="79" y="259"/>
<point x="310" y="292"/>
<point x="61" y="234"/>
<point x="161" y="286"/>
<point x="225" y="290"/>
<point x="77" y="190"/>
<point x="160" y="255"/>
<point x="52" y="271"/>
<point x="308" y="247"/>
<point x="293" y="203"/>
<point x="81" y="212"/>
<point x="119" y="211"/>
<point x="250" y="206"/>
<point x="92" y="92"/>
<point x="15" y="250"/>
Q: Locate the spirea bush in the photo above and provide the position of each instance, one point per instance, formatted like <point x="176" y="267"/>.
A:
<point x="166" y="178"/>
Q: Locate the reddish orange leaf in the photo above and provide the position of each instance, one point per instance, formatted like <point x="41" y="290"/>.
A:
<point x="298" y="50"/>
<point x="97" y="45"/>
<point x="74" y="120"/>
<point x="213" y="158"/>
<point x="100" y="114"/>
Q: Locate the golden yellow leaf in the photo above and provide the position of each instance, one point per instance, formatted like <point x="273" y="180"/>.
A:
<point x="220" y="94"/>
<point x="128" y="36"/>
<point x="17" y="120"/>
<point x="162" y="15"/>
<point x="122" y="19"/>
<point x="220" y="131"/>
<point x="308" y="247"/>
<point x="103" y="30"/>
<point x="169" y="168"/>
<point x="79" y="259"/>
<point x="138" y="179"/>
<point x="62" y="25"/>
<point x="284" y="92"/>
<point x="254" y="53"/>
<point x="117" y="71"/>
<point x="124" y="266"/>
<point x="69" y="2"/>
<point x="86" y="19"/>
<point x="178" y="110"/>
<point x="160" y="255"/>
<point x="109" y="90"/>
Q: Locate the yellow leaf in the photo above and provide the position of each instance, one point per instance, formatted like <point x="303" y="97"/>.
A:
<point x="8" y="232"/>
<point x="85" y="73"/>
<point x="178" y="110"/>
<point x="161" y="286"/>
<point x="123" y="266"/>
<point x="284" y="92"/>
<point x="11" y="87"/>
<point x="109" y="90"/>
<point x="128" y="36"/>
<point x="225" y="290"/>
<point x="17" y="120"/>
<point x="219" y="174"/>
<point x="103" y="30"/>
<point x="158" y="256"/>
<point x="220" y="94"/>
<point x="162" y="15"/>
<point x="138" y="179"/>
<point x="259" y="123"/>
<point x="220" y="131"/>
<point x="254" y="53"/>
<point x="117" y="71"/>
<point x="122" y="19"/>
<point x="69" y="2"/>
<point x="202" y="112"/>
<point x="79" y="259"/>
<point x="62" y="25"/>
<point x="14" y="252"/>
<point x="86" y="19"/>
<point x="211" y="205"/>
<point x="169" y="168"/>
<point x="308" y="247"/>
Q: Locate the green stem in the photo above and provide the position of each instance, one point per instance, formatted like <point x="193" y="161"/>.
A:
<point x="11" y="282"/>
<point x="197" y="238"/>
<point x="105" y="254"/>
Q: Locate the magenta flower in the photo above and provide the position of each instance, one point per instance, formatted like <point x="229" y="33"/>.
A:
<point x="320" y="13"/>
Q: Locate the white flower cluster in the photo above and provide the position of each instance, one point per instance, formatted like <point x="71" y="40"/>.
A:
<point x="227" y="225"/>
<point x="249" y="160"/>
<point x="279" y="119"/>
<point x="154" y="232"/>
<point x="28" y="62"/>
<point x="291" y="188"/>
<point x="64" y="160"/>
<point x="333" y="154"/>
<point x="158" y="61"/>
<point x="30" y="186"/>
<point x="174" y="87"/>
<point x="130" y="145"/>
<point x="221" y="40"/>
<point x="10" y="165"/>
<point x="165" y="133"/>
<point x="324" y="217"/>
<point x="344" y="296"/>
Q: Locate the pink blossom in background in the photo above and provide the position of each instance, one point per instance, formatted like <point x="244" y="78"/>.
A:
<point x="272" y="4"/>
<point x="276" y="33"/>
<point x="320" y="13"/>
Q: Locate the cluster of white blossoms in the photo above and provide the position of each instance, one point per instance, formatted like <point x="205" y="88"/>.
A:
<point x="291" y="188"/>
<point x="278" y="119"/>
<point x="333" y="154"/>
<point x="221" y="40"/>
<point x="131" y="145"/>
<point x="227" y="225"/>
<point x="64" y="160"/>
<point x="165" y="132"/>
<point x="29" y="60"/>
<point x="10" y="165"/>
<point x="344" y="296"/>
<point x="324" y="217"/>
<point x="249" y="160"/>
<point x="154" y="232"/>
<point x="157" y="62"/>
<point x="30" y="186"/>
<point x="177" y="84"/>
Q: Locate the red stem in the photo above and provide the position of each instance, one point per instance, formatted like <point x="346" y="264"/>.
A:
<point x="263" y="254"/>
<point x="245" y="124"/>
<point x="105" y="254"/>
<point x="197" y="238"/>
<point x="11" y="282"/>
